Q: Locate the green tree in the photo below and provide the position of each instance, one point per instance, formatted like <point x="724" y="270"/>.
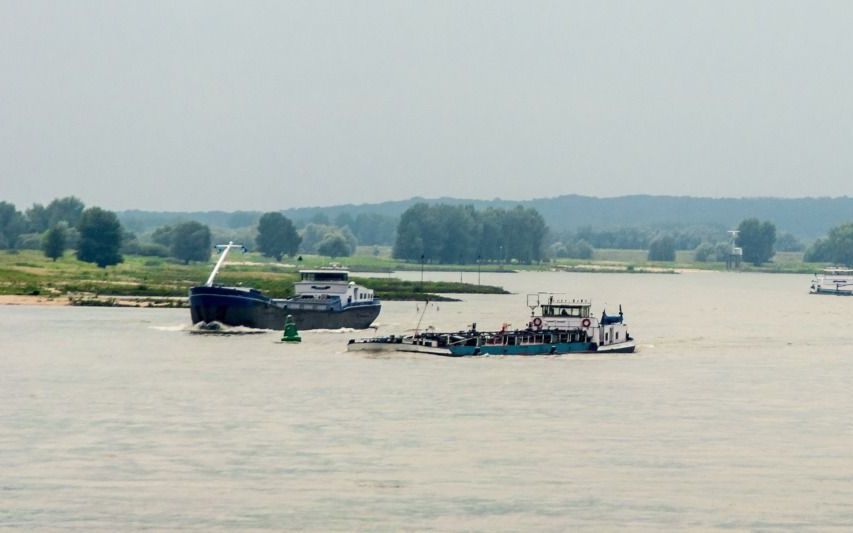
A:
<point x="411" y="230"/>
<point x="191" y="241"/>
<point x="662" y="248"/>
<point x="344" y="220"/>
<point x="757" y="239"/>
<point x="372" y="228"/>
<point x="100" y="237"/>
<point x="450" y="234"/>
<point x="277" y="236"/>
<point x="786" y="242"/>
<point x="334" y="245"/>
<point x="53" y="242"/>
<point x="68" y="209"/>
<point x="12" y="225"/>
<point x="580" y="250"/>
<point x="38" y="218"/>
<point x="819" y="252"/>
<point x="840" y="244"/>
<point x="705" y="252"/>
<point x="163" y="236"/>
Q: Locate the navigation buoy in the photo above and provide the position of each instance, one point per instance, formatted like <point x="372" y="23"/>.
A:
<point x="290" y="332"/>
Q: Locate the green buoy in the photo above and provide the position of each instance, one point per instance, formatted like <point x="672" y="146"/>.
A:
<point x="290" y="332"/>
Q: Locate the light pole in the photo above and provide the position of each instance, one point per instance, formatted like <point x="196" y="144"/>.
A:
<point x="422" y="272"/>
<point x="478" y="270"/>
<point x="460" y="268"/>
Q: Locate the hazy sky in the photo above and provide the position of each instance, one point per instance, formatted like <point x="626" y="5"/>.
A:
<point x="262" y="105"/>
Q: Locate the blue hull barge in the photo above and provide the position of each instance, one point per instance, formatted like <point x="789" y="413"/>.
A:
<point x="323" y="299"/>
<point x="562" y="326"/>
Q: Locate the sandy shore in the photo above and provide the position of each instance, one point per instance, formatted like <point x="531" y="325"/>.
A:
<point x="112" y="301"/>
<point x="11" y="299"/>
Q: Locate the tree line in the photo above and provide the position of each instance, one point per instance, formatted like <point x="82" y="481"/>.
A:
<point x="755" y="238"/>
<point x="98" y="237"/>
<point x="836" y="247"/>
<point x="433" y="233"/>
<point x="460" y="234"/>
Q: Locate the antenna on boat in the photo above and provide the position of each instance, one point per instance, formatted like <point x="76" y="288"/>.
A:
<point x="418" y="326"/>
<point x="223" y="250"/>
<point x="532" y="303"/>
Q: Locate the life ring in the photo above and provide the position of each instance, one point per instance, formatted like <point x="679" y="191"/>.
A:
<point x="586" y="322"/>
<point x="537" y="322"/>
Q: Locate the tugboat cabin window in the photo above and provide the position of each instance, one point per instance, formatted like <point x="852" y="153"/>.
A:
<point x="325" y="276"/>
<point x="567" y="311"/>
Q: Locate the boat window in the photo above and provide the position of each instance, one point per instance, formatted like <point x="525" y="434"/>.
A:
<point x="325" y="276"/>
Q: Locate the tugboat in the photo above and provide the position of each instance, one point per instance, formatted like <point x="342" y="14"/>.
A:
<point x="838" y="281"/>
<point x="562" y="325"/>
<point x="323" y="299"/>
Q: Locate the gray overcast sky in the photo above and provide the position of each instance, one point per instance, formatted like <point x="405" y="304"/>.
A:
<point x="197" y="105"/>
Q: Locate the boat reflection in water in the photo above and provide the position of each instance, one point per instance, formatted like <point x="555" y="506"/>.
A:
<point x="558" y="325"/>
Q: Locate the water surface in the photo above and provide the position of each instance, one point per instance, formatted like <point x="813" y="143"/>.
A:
<point x="735" y="414"/>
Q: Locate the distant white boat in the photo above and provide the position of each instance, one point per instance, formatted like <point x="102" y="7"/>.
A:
<point x="838" y="281"/>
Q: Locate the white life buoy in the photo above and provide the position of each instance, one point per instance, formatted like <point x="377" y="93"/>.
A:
<point x="586" y="322"/>
<point x="537" y="322"/>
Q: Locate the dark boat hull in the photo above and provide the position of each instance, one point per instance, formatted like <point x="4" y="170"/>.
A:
<point x="236" y="306"/>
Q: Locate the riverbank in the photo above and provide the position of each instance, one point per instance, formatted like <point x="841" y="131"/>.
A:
<point x="160" y="282"/>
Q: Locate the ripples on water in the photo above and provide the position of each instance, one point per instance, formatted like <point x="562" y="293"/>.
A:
<point x="735" y="414"/>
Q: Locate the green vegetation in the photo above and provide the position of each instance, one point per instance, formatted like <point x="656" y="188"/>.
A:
<point x="191" y="242"/>
<point x="54" y="241"/>
<point x="276" y="236"/>
<point x="334" y="245"/>
<point x="459" y="234"/>
<point x="100" y="237"/>
<point x="662" y="249"/>
<point x="337" y="241"/>
<point x="29" y="272"/>
<point x="448" y="237"/>
<point x="757" y="240"/>
<point x="836" y="248"/>
<point x="636" y="261"/>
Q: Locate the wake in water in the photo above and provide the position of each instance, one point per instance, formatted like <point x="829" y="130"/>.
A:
<point x="212" y="328"/>
<point x="218" y="328"/>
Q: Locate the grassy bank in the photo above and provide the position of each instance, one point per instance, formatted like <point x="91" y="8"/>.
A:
<point x="635" y="260"/>
<point x="30" y="273"/>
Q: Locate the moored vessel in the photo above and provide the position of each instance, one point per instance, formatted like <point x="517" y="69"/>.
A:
<point x="558" y="325"/>
<point x="835" y="280"/>
<point x="323" y="299"/>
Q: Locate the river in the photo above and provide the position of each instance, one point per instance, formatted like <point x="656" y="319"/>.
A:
<point x="736" y="413"/>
